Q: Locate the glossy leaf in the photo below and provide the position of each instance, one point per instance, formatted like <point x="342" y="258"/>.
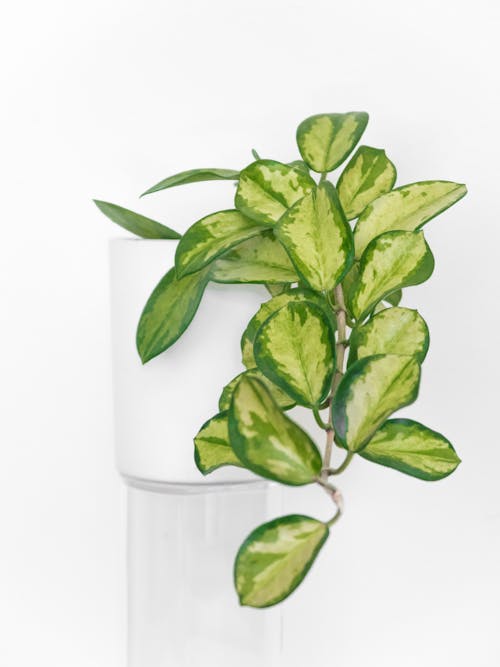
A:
<point x="317" y="238"/>
<point x="135" y="222"/>
<point x="412" y="448"/>
<point x="371" y="390"/>
<point x="194" y="176"/>
<point x="266" y="440"/>
<point x="390" y="262"/>
<point x="368" y="175"/>
<point x="406" y="208"/>
<point x="168" y="312"/>
<point x="282" y="399"/>
<point x="212" y="447"/>
<point x="295" y="348"/>
<point x="275" y="558"/>
<point x="325" y="140"/>
<point x="266" y="189"/>
<point x="261" y="259"/>
<point x="272" y="306"/>
<point x="210" y="237"/>
<point x="392" y="331"/>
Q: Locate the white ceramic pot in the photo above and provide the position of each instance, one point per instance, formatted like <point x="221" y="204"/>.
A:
<point x="183" y="528"/>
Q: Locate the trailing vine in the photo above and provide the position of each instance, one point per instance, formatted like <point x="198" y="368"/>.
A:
<point x="332" y="337"/>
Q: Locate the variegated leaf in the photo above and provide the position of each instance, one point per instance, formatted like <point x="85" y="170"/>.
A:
<point x="412" y="448"/>
<point x="371" y="390"/>
<point x="194" y="176"/>
<point x="326" y="140"/>
<point x="283" y="400"/>
<point x="266" y="189"/>
<point x="212" y="447"/>
<point x="278" y="288"/>
<point x="261" y="259"/>
<point x="295" y="349"/>
<point x="272" y="306"/>
<point x="168" y="312"/>
<point x="135" y="222"/>
<point x="406" y="208"/>
<point x="266" y="440"/>
<point x="390" y="262"/>
<point x="210" y="237"/>
<point x="368" y="175"/>
<point x="275" y="558"/>
<point x="394" y="298"/>
<point x="317" y="237"/>
<point x="392" y="331"/>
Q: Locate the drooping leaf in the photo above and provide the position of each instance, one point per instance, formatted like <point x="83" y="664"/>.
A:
<point x="317" y="237"/>
<point x="272" y="306"/>
<point x="325" y="140"/>
<point x="284" y="401"/>
<point x="168" y="312"/>
<point x="135" y="222"/>
<point x="392" y="331"/>
<point x="194" y="176"/>
<point x="275" y="558"/>
<point x="406" y="208"/>
<point x="368" y="175"/>
<point x="412" y="448"/>
<point x="210" y="237"/>
<point x="261" y="259"/>
<point x="266" y="189"/>
<point x="212" y="447"/>
<point x="371" y="390"/>
<point x="295" y="349"/>
<point x="266" y="440"/>
<point x="390" y="262"/>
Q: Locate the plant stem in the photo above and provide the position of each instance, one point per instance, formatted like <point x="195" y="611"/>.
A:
<point x="336" y="496"/>
<point x="319" y="421"/>
<point x="342" y="466"/>
<point x="323" y="176"/>
<point x="340" y="314"/>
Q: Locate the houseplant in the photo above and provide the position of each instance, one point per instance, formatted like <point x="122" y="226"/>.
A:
<point x="331" y="337"/>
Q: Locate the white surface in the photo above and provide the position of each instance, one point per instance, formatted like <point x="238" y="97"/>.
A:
<point x="104" y="98"/>
<point x="160" y="406"/>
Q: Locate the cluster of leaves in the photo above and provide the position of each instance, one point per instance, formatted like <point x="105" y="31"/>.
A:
<point x="335" y="287"/>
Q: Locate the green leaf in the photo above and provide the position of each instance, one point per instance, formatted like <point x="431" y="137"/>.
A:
<point x="275" y="558"/>
<point x="278" y="288"/>
<point x="168" y="312"/>
<point x="283" y="400"/>
<point x="266" y="440"/>
<point x="390" y="262"/>
<point x="212" y="447"/>
<point x="394" y="298"/>
<point x="272" y="306"/>
<point x="406" y="208"/>
<point x="371" y="390"/>
<point x="412" y="448"/>
<point x="392" y="331"/>
<point x="317" y="237"/>
<point x="261" y="259"/>
<point x="194" y="176"/>
<point x="326" y="140"/>
<point x="266" y="189"/>
<point x="300" y="165"/>
<point x="368" y="175"/>
<point x="135" y="222"/>
<point x="295" y="348"/>
<point x="210" y="237"/>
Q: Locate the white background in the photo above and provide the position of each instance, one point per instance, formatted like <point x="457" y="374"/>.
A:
<point x="102" y="99"/>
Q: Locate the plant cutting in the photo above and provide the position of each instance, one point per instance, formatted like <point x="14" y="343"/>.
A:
<point x="335" y="254"/>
